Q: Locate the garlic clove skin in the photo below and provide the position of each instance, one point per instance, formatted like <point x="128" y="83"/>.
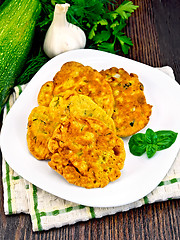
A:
<point x="62" y="36"/>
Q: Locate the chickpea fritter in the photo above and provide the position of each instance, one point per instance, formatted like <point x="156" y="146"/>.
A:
<point x="46" y="94"/>
<point x="41" y="126"/>
<point x="87" y="81"/>
<point x="86" y="152"/>
<point x="131" y="112"/>
<point x="43" y="120"/>
<point x="80" y="105"/>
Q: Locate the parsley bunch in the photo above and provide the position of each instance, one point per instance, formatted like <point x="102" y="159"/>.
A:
<point x="110" y="27"/>
<point x="102" y="21"/>
<point x="102" y="26"/>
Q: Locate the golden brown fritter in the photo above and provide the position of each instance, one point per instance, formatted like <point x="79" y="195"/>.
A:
<point x="43" y="120"/>
<point x="131" y="112"/>
<point x="69" y="69"/>
<point x="72" y="103"/>
<point x="86" y="152"/>
<point x="46" y="94"/>
<point x="41" y="125"/>
<point x="87" y="81"/>
<point x="39" y="132"/>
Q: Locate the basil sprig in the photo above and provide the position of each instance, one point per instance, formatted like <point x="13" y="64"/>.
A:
<point x="151" y="142"/>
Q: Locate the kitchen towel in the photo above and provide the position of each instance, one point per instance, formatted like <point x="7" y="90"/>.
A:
<point x="48" y="211"/>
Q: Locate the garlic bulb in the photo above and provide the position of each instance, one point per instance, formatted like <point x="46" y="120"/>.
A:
<point x="62" y="36"/>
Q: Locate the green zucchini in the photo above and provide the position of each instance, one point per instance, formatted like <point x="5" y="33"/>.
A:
<point x="17" y="25"/>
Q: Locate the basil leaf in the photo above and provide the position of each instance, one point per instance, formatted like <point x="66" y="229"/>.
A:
<point x="151" y="142"/>
<point x="151" y="149"/>
<point x="165" y="139"/>
<point x="151" y="137"/>
<point x="137" y="144"/>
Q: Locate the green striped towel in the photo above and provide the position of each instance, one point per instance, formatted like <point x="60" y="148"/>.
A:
<point x="48" y="211"/>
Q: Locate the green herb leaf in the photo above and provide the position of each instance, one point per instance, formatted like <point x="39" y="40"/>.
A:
<point x="151" y="137"/>
<point x="151" y="149"/>
<point x="108" y="47"/>
<point x="102" y="36"/>
<point x="103" y="22"/>
<point x="137" y="144"/>
<point x="92" y="33"/>
<point x="113" y="15"/>
<point x="165" y="139"/>
<point x="117" y="27"/>
<point x="125" y="9"/>
<point x="114" y="25"/>
<point x="125" y="41"/>
<point x="151" y="142"/>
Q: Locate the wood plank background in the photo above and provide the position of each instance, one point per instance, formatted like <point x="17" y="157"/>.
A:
<point x="155" y="31"/>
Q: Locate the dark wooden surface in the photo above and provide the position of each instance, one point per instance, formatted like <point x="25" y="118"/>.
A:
<point x="155" y="31"/>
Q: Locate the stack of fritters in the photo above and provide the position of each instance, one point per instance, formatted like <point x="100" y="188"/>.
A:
<point x="81" y="116"/>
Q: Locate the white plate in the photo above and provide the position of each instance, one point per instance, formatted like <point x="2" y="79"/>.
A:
<point x="140" y="174"/>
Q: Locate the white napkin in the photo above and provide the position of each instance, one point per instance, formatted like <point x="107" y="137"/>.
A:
<point x="48" y="211"/>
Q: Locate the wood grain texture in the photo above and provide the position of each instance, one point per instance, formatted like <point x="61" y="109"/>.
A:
<point x="155" y="32"/>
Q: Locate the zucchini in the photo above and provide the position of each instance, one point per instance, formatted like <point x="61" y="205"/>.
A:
<point x="17" y="26"/>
